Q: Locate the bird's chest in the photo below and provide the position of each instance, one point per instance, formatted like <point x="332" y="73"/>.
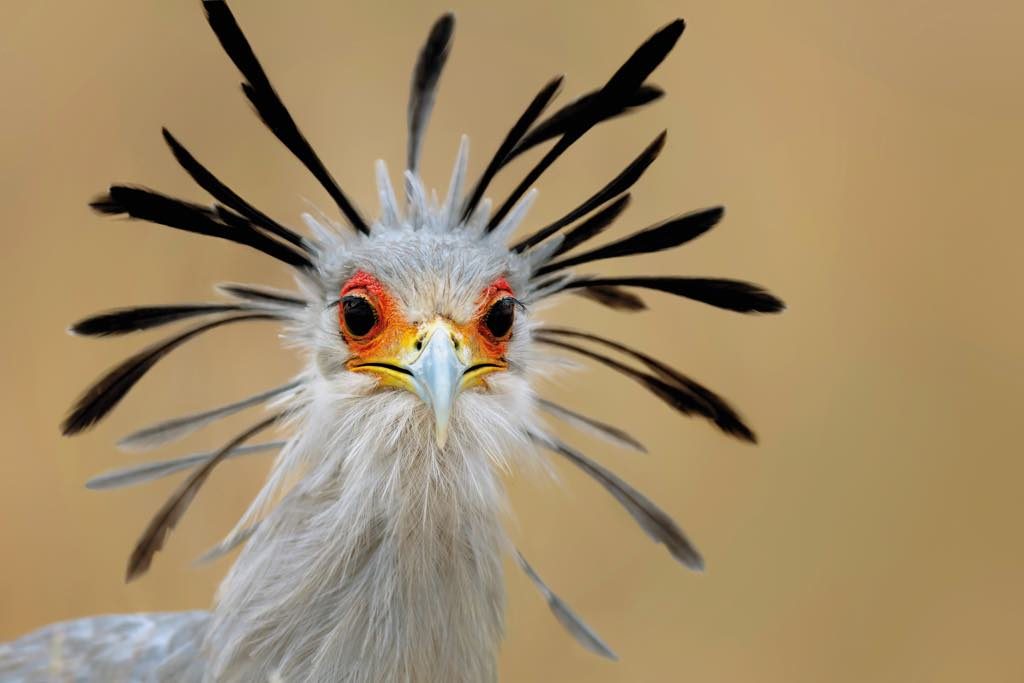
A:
<point x="412" y="590"/>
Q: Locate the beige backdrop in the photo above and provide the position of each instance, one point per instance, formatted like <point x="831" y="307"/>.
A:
<point x="870" y="157"/>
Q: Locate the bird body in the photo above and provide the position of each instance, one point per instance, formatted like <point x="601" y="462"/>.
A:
<point x="374" y="551"/>
<point x="384" y="562"/>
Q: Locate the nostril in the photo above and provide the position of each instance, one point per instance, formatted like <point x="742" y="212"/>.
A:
<point x="419" y="344"/>
<point x="455" y="341"/>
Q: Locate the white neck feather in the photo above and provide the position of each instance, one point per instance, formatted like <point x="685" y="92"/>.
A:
<point x="384" y="563"/>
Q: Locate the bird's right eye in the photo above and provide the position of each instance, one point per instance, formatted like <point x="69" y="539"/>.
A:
<point x="358" y="315"/>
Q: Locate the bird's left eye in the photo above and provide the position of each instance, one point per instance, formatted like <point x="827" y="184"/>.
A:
<point x="501" y="316"/>
<point x="358" y="315"/>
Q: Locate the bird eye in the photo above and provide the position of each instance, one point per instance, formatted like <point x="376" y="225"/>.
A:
<point x="501" y="316"/>
<point x="358" y="315"/>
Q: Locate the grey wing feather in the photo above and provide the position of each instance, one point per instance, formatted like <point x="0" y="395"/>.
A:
<point x="116" y="647"/>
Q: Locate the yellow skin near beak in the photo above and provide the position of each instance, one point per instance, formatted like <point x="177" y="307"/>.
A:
<point x="435" y="360"/>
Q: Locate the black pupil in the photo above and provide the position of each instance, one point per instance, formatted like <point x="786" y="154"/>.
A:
<point x="499" y="318"/>
<point x="359" y="315"/>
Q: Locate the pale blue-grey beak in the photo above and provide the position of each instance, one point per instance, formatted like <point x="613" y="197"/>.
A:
<point x="437" y="377"/>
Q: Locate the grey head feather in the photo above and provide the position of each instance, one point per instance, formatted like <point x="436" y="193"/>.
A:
<point x="176" y="428"/>
<point x="576" y="627"/>
<point x="129" y="476"/>
<point x="601" y="429"/>
<point x="652" y="519"/>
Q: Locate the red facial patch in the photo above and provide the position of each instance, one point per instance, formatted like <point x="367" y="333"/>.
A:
<point x="388" y="321"/>
<point x="499" y="286"/>
<point x="497" y="290"/>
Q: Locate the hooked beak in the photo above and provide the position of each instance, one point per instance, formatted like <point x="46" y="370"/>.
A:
<point x="435" y="363"/>
<point x="437" y="377"/>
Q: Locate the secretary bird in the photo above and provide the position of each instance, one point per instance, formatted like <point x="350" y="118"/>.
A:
<point x="374" y="551"/>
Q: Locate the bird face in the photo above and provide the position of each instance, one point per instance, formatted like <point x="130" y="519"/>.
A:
<point x="427" y="325"/>
<point x="433" y="356"/>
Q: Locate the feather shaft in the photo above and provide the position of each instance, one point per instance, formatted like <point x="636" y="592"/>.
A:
<point x="170" y="513"/>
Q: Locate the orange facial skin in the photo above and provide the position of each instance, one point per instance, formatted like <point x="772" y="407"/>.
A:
<point x="393" y="343"/>
<point x="391" y="329"/>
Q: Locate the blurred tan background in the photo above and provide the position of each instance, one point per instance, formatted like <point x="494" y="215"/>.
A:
<point x="870" y="156"/>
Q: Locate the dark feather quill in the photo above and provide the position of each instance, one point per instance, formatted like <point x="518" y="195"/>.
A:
<point x="732" y="295"/>
<point x="613" y="297"/>
<point x="224" y="194"/>
<point x="261" y="294"/>
<point x="593" y="226"/>
<point x="622" y="86"/>
<point x="170" y="513"/>
<point x="271" y="109"/>
<point x="658" y="525"/>
<point x="147" y="205"/>
<point x="109" y="389"/>
<point x="619" y="184"/>
<point x="125" y="320"/>
<point x="722" y="414"/>
<point x="606" y="295"/>
<point x="522" y="124"/>
<point x="678" y="397"/>
<point x="566" y="117"/>
<point x="667" y="235"/>
<point x="423" y="89"/>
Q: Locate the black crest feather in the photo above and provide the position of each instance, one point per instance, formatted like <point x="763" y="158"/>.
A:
<point x="672" y="233"/>
<point x="533" y="110"/>
<point x="423" y="89"/>
<point x="619" y="184"/>
<point x="619" y="89"/>
<point x="104" y="395"/>
<point x="271" y="109"/>
<point x="593" y="226"/>
<point x="680" y="397"/>
<point x="732" y="295"/>
<point x="720" y="412"/>
<point x="225" y="195"/>
<point x="612" y="297"/>
<point x="266" y="295"/>
<point x="146" y="205"/>
<point x="568" y="116"/>
<point x="137" y="319"/>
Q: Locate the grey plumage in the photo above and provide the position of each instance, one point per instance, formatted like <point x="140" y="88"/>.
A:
<point x="167" y="517"/>
<point x="579" y="630"/>
<point x="607" y="431"/>
<point x="176" y="428"/>
<point x="649" y="516"/>
<point x="129" y="476"/>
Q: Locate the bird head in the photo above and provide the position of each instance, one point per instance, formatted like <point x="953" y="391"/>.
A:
<point x="424" y="319"/>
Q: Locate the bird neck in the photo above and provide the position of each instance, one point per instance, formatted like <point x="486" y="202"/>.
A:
<point x="383" y="564"/>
